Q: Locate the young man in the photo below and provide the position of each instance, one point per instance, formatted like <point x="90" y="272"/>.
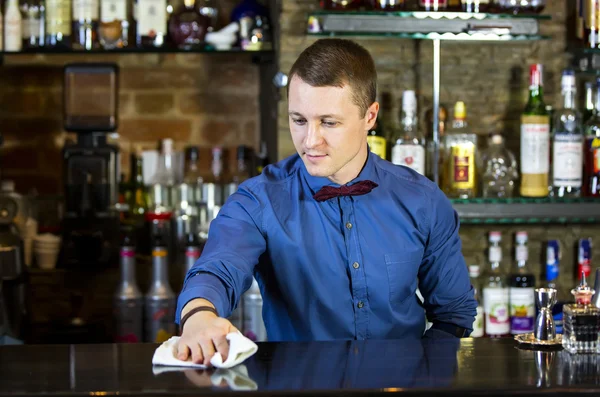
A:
<point x="339" y="239"/>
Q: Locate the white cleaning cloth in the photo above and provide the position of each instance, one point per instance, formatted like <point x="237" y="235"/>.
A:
<point x="240" y="348"/>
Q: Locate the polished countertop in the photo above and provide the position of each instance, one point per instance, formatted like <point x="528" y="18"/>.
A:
<point x="427" y="366"/>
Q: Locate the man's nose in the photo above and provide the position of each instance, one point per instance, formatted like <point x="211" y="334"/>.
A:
<point x="314" y="137"/>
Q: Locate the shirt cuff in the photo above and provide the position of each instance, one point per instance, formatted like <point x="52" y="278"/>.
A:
<point x="204" y="286"/>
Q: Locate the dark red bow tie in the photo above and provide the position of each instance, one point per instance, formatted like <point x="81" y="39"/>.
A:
<point x="358" y="189"/>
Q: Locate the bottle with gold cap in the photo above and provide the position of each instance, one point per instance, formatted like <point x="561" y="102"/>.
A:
<point x="460" y="157"/>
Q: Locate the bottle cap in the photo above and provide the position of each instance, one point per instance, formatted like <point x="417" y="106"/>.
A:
<point x="495" y="237"/>
<point x="521" y="237"/>
<point x="583" y="293"/>
<point x="460" y="110"/>
<point x="409" y="101"/>
<point x="535" y="75"/>
<point x="497" y="138"/>
<point x="167" y="146"/>
<point x="473" y="270"/>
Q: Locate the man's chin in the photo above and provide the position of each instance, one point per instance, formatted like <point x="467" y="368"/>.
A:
<point x="316" y="170"/>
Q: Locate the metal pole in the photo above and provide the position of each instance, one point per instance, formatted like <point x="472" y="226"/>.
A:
<point x="436" y="108"/>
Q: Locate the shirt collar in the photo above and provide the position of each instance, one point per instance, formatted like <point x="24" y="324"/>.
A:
<point x="367" y="173"/>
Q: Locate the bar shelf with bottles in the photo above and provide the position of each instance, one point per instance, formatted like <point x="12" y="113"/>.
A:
<point x="444" y="20"/>
<point x="585" y="46"/>
<point x="132" y="26"/>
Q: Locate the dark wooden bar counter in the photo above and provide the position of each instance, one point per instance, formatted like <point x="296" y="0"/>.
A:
<point x="427" y="367"/>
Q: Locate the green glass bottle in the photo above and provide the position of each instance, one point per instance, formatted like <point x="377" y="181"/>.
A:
<point x="535" y="139"/>
<point x="138" y="204"/>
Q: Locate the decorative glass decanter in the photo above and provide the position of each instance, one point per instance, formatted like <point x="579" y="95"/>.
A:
<point x="581" y="323"/>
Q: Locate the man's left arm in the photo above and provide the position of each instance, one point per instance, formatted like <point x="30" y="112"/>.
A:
<point x="443" y="278"/>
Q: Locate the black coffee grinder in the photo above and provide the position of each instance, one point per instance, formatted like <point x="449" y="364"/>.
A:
<point x="91" y="166"/>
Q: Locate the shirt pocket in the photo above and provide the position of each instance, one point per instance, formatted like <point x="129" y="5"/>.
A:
<point x="402" y="270"/>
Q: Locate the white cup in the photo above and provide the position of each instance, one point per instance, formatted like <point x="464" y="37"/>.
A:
<point x="46" y="260"/>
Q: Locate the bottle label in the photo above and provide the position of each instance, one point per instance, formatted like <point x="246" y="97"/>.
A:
<point x="30" y="27"/>
<point x="13" y="38"/>
<point x="128" y="321"/>
<point x="535" y="139"/>
<point x="495" y="302"/>
<point x="377" y="144"/>
<point x="567" y="160"/>
<point x="521" y="253"/>
<point x="152" y="17"/>
<point x="522" y="310"/>
<point x="85" y="10"/>
<point x="495" y="254"/>
<point x="592" y="14"/>
<point x="113" y="10"/>
<point x="412" y="156"/>
<point x="58" y="17"/>
<point x="463" y="166"/>
<point x="160" y="326"/>
<point x="593" y="147"/>
<point x="478" y="324"/>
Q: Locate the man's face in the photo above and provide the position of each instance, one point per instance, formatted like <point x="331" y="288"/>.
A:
<point x="328" y="130"/>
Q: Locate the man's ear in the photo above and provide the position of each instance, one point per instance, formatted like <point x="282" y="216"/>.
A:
<point x="371" y="116"/>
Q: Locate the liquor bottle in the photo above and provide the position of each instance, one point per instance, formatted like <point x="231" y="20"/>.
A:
<point x="495" y="293"/>
<point x="340" y="5"/>
<point x="254" y="326"/>
<point x="591" y="182"/>
<point x="535" y="139"/>
<point x="521" y="291"/>
<point x="522" y="6"/>
<point x="567" y="143"/>
<point x="85" y="24"/>
<point x="499" y="169"/>
<point x="165" y="177"/>
<point x="113" y="30"/>
<point x="589" y="105"/>
<point x="479" y="318"/>
<point x="387" y="5"/>
<point x="242" y="171"/>
<point x="212" y="188"/>
<point x="591" y="24"/>
<point x="151" y="23"/>
<point x="433" y="5"/>
<point x="13" y="38"/>
<point x="138" y="203"/>
<point x="461" y="151"/>
<point x="377" y="141"/>
<point x="192" y="252"/>
<point x="32" y="23"/>
<point x="475" y="5"/>
<point x="584" y="257"/>
<point x="430" y="157"/>
<point x="187" y="26"/>
<point x="409" y="145"/>
<point x="160" y="299"/>
<point x="552" y="272"/>
<point x="58" y="23"/>
<point x="581" y="321"/>
<point x="454" y="5"/>
<point x="579" y="20"/>
<point x="129" y="302"/>
<point x="192" y="175"/>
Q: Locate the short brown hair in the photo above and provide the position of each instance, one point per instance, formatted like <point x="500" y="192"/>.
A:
<point x="336" y="62"/>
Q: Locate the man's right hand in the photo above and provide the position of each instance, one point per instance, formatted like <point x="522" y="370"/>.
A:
<point x="203" y="335"/>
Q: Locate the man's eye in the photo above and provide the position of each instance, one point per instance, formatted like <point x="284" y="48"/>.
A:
<point x="299" y="121"/>
<point x="330" y="123"/>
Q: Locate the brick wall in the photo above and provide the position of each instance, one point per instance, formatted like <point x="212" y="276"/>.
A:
<point x="201" y="99"/>
<point x="492" y="79"/>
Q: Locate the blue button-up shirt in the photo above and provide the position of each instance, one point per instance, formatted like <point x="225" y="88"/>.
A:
<point x="345" y="268"/>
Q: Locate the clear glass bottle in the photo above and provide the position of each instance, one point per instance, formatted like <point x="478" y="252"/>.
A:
<point x="409" y="145"/>
<point x="85" y="24"/>
<point x="589" y="105"/>
<point x="187" y="26"/>
<point x="581" y="321"/>
<point x="498" y="168"/>
<point x="522" y="6"/>
<point x="32" y="24"/>
<point x="567" y="143"/>
<point x="151" y="23"/>
<point x="165" y="178"/>
<point x="479" y="318"/>
<point x="192" y="175"/>
<point x="113" y="31"/>
<point x="475" y="5"/>
<point x="521" y="291"/>
<point x="13" y="37"/>
<point x="430" y="157"/>
<point x="213" y="186"/>
<point x="535" y="139"/>
<point x="433" y="5"/>
<point x="460" y="157"/>
<point x="495" y="293"/>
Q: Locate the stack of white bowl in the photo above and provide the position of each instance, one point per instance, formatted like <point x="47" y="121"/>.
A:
<point x="46" y="247"/>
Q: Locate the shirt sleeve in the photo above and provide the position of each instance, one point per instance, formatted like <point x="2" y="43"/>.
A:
<point x="224" y="270"/>
<point x="443" y="278"/>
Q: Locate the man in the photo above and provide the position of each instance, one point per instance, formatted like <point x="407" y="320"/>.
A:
<point x="331" y="266"/>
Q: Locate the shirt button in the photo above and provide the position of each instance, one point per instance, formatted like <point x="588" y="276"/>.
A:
<point x="348" y="225"/>
<point x="355" y="265"/>
<point x="360" y="305"/>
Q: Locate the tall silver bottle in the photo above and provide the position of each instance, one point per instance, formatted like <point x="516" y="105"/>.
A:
<point x="128" y="300"/>
<point x="160" y="299"/>
<point x="192" y="252"/>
